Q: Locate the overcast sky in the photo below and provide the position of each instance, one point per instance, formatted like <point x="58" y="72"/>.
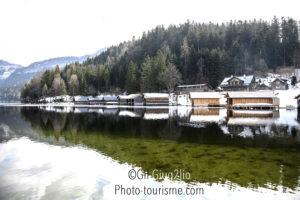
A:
<point x="32" y="30"/>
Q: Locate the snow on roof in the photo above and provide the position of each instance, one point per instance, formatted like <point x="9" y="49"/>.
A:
<point x="198" y="95"/>
<point x="246" y="79"/>
<point x="81" y="98"/>
<point x="96" y="98"/>
<point x="110" y="98"/>
<point x="156" y="95"/>
<point x="264" y="81"/>
<point x="130" y="96"/>
<point x="282" y="80"/>
<point x="196" y="85"/>
<point x="259" y="94"/>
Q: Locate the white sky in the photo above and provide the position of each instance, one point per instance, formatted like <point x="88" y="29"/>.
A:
<point x="32" y="30"/>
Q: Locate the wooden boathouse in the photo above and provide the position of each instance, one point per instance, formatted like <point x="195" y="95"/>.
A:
<point x="156" y="98"/>
<point x="252" y="100"/>
<point x="132" y="99"/>
<point x="205" y="98"/>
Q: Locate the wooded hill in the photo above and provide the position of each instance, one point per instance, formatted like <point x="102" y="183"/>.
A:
<point x="188" y="53"/>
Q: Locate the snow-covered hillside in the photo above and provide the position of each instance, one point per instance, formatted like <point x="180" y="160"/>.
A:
<point x="6" y="69"/>
<point x="13" y="77"/>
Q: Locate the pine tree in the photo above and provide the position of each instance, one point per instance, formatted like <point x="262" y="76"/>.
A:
<point x="131" y="84"/>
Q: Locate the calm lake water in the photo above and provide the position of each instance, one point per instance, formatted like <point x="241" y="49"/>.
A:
<point x="89" y="153"/>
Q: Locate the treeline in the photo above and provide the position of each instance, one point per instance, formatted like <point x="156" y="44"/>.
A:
<point x="189" y="53"/>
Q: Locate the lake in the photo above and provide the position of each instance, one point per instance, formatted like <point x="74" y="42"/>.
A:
<point x="115" y="152"/>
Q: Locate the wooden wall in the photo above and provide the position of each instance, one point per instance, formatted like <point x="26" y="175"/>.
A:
<point x="252" y="100"/>
<point x="157" y="101"/>
<point x="206" y="101"/>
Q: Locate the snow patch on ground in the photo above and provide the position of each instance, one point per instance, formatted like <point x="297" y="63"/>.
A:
<point x="287" y="97"/>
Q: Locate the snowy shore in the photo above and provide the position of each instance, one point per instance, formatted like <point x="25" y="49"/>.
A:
<point x="286" y="100"/>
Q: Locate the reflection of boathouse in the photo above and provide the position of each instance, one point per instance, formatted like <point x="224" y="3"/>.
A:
<point x="247" y="122"/>
<point x="207" y="115"/>
<point x="252" y="100"/>
<point x="205" y="98"/>
<point x="199" y="117"/>
<point x="156" y="114"/>
<point x="252" y="117"/>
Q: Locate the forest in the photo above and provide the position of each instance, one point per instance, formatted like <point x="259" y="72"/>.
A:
<point x="189" y="53"/>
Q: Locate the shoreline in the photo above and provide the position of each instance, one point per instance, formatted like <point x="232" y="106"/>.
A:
<point x="119" y="106"/>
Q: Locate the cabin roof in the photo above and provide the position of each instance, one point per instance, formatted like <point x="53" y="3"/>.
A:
<point x="195" y="85"/>
<point x="280" y="80"/>
<point x="262" y="94"/>
<point x="199" y="95"/>
<point x="96" y="98"/>
<point x="110" y="98"/>
<point x="81" y="98"/>
<point x="246" y="80"/>
<point x="155" y="95"/>
<point x="130" y="96"/>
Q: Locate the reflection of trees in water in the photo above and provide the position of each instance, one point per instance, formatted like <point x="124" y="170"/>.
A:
<point x="58" y="121"/>
<point x="150" y="145"/>
<point x="169" y="129"/>
<point x="268" y="130"/>
<point x="72" y="124"/>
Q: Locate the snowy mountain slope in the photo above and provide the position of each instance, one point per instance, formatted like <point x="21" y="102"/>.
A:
<point x="13" y="77"/>
<point x="6" y="69"/>
<point x="19" y="76"/>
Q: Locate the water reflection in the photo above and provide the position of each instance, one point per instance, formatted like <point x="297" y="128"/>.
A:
<point x="239" y="123"/>
<point x="217" y="146"/>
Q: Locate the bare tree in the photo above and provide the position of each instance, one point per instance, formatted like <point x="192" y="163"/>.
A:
<point x="58" y="86"/>
<point x="170" y="77"/>
<point x="73" y="84"/>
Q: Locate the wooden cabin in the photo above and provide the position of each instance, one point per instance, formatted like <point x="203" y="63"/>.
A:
<point x="132" y="99"/>
<point x="238" y="83"/>
<point x="279" y="84"/>
<point x="156" y="99"/>
<point x="81" y="99"/>
<point x="252" y="100"/>
<point x="95" y="100"/>
<point x="110" y="99"/>
<point x="205" y="98"/>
